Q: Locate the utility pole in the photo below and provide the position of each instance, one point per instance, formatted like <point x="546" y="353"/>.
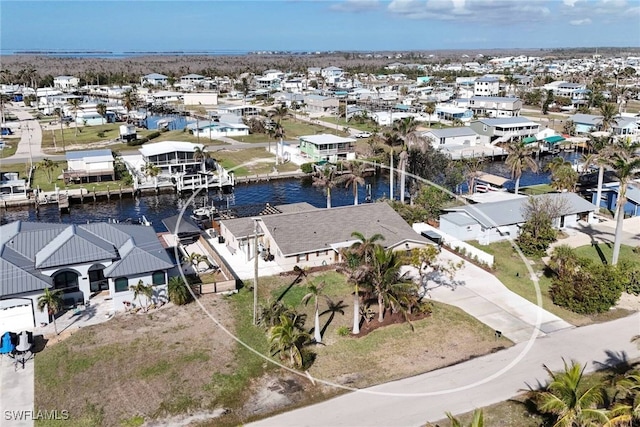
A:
<point x="255" y="272"/>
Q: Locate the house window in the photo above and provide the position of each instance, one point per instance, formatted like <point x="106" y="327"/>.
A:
<point x="122" y="284"/>
<point x="158" y="278"/>
<point x="67" y="281"/>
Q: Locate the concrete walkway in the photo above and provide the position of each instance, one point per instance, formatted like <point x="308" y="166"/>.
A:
<point x="425" y="398"/>
<point x="603" y="232"/>
<point x="484" y="297"/>
<point x="16" y="393"/>
<point x="30" y="145"/>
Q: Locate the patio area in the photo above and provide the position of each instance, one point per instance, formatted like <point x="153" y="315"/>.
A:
<point x="99" y="310"/>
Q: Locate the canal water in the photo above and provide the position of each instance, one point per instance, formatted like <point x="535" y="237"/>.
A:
<point x="246" y="199"/>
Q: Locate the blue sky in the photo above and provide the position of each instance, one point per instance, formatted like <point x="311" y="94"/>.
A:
<point x="311" y="25"/>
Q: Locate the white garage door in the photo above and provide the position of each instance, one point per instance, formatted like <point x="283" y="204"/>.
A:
<point x="16" y="318"/>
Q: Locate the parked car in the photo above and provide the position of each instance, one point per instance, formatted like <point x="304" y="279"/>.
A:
<point x="363" y="135"/>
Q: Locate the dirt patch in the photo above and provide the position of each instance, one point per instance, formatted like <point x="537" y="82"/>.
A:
<point x="629" y="302"/>
<point x="389" y="319"/>
<point x="153" y="365"/>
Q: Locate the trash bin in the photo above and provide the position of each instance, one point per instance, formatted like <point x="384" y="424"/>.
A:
<point x="220" y="239"/>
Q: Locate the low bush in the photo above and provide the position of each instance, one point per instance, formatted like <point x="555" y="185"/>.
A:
<point x="306" y="167"/>
<point x="343" y="331"/>
<point x="590" y="289"/>
<point x="153" y="135"/>
<point x="136" y="142"/>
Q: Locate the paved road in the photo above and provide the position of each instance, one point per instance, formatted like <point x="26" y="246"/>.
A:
<point x="425" y="398"/>
<point x="16" y="393"/>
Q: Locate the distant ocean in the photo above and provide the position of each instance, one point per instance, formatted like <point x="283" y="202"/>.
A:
<point x="116" y="55"/>
<point x="130" y="54"/>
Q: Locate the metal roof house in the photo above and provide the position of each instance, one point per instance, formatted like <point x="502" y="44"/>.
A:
<point x="83" y="166"/>
<point x="154" y="79"/>
<point x="172" y="156"/>
<point x="505" y="128"/>
<point x="495" y="221"/>
<point x="81" y="260"/>
<point x="310" y="237"/>
<point x="327" y="147"/>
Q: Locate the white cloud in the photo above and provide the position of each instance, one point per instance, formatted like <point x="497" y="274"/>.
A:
<point x="584" y="21"/>
<point x="570" y="3"/>
<point x="355" y="5"/>
<point x="489" y="11"/>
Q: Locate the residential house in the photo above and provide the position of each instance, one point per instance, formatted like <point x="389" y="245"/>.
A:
<point x="238" y="110"/>
<point x="192" y="79"/>
<point x="486" y="86"/>
<point x="172" y="156"/>
<point x="200" y="98"/>
<point x="502" y="220"/>
<point x="320" y="104"/>
<point x="451" y="112"/>
<point x="495" y="106"/>
<point x="506" y="128"/>
<point x="66" y="82"/>
<point x="327" y="147"/>
<point x="609" y="197"/>
<point x="88" y="166"/>
<point x="11" y="187"/>
<point x="332" y="74"/>
<point x="452" y="137"/>
<point x="154" y="79"/>
<point x="215" y="130"/>
<point x="313" y="237"/>
<point x="81" y="261"/>
<point x="622" y="126"/>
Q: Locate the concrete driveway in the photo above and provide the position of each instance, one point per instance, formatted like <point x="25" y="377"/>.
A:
<point x="602" y="232"/>
<point x="16" y="393"/>
<point x="484" y="297"/>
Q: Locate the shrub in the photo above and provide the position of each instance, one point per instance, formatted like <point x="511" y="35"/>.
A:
<point x="153" y="135"/>
<point x="591" y="289"/>
<point x="306" y="167"/>
<point x="343" y="331"/>
<point x="136" y="142"/>
<point x="101" y="134"/>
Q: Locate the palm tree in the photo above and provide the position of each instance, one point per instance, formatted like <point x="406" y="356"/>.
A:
<point x="151" y="170"/>
<point x="608" y="112"/>
<point x="200" y="155"/>
<point x="402" y="165"/>
<point x="429" y="108"/>
<point x="386" y="282"/>
<point x="52" y="300"/>
<point x="48" y="166"/>
<point x="325" y="178"/>
<point x="598" y="144"/>
<point x="178" y="292"/>
<point x="315" y="291"/>
<point x="473" y="170"/>
<point x="627" y="410"/>
<point x="354" y="178"/>
<point x="405" y="126"/>
<point x="477" y="421"/>
<point x="140" y="289"/>
<point x="359" y="258"/>
<point x="75" y="105"/>
<point x="563" y="176"/>
<point x="58" y="112"/>
<point x="129" y="100"/>
<point x="566" y="399"/>
<point x="624" y="159"/>
<point x="518" y="160"/>
<point x="287" y="339"/>
<point x="563" y="260"/>
<point x="102" y="110"/>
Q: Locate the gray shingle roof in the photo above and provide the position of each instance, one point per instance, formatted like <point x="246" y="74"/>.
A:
<point x="509" y="212"/>
<point x="314" y="230"/>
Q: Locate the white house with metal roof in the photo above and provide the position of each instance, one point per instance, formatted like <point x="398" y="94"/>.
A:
<point x="486" y="86"/>
<point x="312" y="237"/>
<point x="154" y="79"/>
<point x="90" y="164"/>
<point x="495" y="106"/>
<point x="453" y="137"/>
<point x="505" y="128"/>
<point x="80" y="260"/>
<point x="172" y="156"/>
<point x="327" y="147"/>
<point x="501" y="220"/>
<point x="66" y="82"/>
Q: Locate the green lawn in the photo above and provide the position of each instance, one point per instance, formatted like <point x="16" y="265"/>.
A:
<point x="41" y="181"/>
<point x="536" y="189"/>
<point x="295" y="128"/>
<point x="253" y="159"/>
<point x="10" y="147"/>
<point x="513" y="273"/>
<point x="602" y="252"/>
<point x="84" y="135"/>
<point x="368" y="126"/>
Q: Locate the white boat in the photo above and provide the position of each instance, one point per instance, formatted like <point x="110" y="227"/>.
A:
<point x="205" y="213"/>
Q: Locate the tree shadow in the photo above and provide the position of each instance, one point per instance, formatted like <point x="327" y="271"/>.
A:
<point x="298" y="279"/>
<point x="617" y="362"/>
<point x="600" y="254"/>
<point x="332" y="308"/>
